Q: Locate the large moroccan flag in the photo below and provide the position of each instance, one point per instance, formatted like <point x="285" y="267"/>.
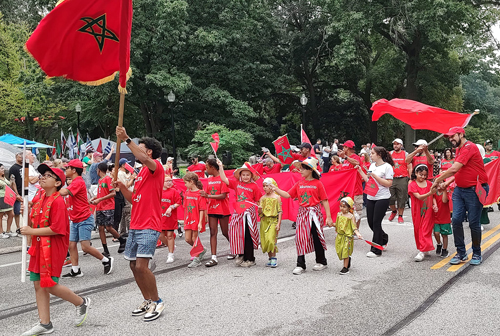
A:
<point x="85" y="40"/>
<point x="283" y="150"/>
<point x="493" y="171"/>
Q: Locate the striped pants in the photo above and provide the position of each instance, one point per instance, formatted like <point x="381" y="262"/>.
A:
<point x="309" y="235"/>
<point x="243" y="226"/>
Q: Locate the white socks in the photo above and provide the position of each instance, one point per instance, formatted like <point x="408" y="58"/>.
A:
<point x="104" y="260"/>
<point x="75" y="268"/>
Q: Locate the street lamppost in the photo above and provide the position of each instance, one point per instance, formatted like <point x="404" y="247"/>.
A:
<point x="303" y="102"/>
<point x="78" y="109"/>
<point x="171" y="99"/>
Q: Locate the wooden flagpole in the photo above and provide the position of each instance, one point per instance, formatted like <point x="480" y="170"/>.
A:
<point x="118" y="140"/>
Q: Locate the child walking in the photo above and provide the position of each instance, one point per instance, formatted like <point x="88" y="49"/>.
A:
<point x="243" y="230"/>
<point x="345" y="225"/>
<point x="421" y="213"/>
<point x="442" y="220"/>
<point x="195" y="207"/>
<point x="270" y="220"/>
<point x="170" y="201"/>
<point x="310" y="222"/>
<point x="50" y="233"/>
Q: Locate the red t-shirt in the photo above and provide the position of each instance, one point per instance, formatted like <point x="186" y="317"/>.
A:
<point x="358" y="190"/>
<point x="443" y="214"/>
<point x="473" y="166"/>
<point x="422" y="159"/>
<point x="146" y="199"/>
<point x="421" y="211"/>
<point x="169" y="197"/>
<point x="193" y="204"/>
<point x="78" y="202"/>
<point x="276" y="168"/>
<point x="400" y="165"/>
<point x="446" y="164"/>
<point x="215" y="186"/>
<point x="59" y="243"/>
<point x="104" y="188"/>
<point x="198" y="169"/>
<point x="335" y="168"/>
<point x="300" y="158"/>
<point x="493" y="155"/>
<point x="309" y="193"/>
<point x="245" y="192"/>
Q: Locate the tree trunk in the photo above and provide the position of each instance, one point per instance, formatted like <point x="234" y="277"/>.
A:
<point x="147" y="121"/>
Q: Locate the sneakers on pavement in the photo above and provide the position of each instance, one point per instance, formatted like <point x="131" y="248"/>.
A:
<point x="108" y="266"/>
<point x="248" y="263"/>
<point x="82" y="311"/>
<point x="39" y="329"/>
<point x="294" y="225"/>
<point x="273" y="262"/>
<point x="439" y="248"/>
<point x="238" y="260"/>
<point x="12" y="234"/>
<point x="67" y="262"/>
<point x="154" y="311"/>
<point x="401" y="220"/>
<point x="392" y="216"/>
<point x="420" y="256"/>
<point x="457" y="259"/>
<point x="4" y="235"/>
<point x="319" y="267"/>
<point x="298" y="270"/>
<point x="73" y="274"/>
<point x="372" y="255"/>
<point x="195" y="263"/>
<point x="142" y="309"/>
<point x="231" y="257"/>
<point x="123" y="242"/>
<point x="476" y="260"/>
<point x="202" y="254"/>
<point x="444" y="253"/>
<point x="170" y="258"/>
<point x="344" y="271"/>
<point x="106" y="254"/>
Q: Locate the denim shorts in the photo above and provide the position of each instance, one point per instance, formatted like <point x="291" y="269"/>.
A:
<point x="141" y="244"/>
<point x="17" y="208"/>
<point x="81" y="231"/>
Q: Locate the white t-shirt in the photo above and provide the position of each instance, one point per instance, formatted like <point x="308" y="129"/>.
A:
<point x="325" y="154"/>
<point x="32" y="188"/>
<point x="335" y="149"/>
<point x="384" y="171"/>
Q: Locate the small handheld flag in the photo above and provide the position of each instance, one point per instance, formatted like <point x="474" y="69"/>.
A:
<point x="10" y="196"/>
<point x="197" y="248"/>
<point x="371" y="187"/>
<point x="480" y="192"/>
<point x="215" y="145"/>
<point x="377" y="246"/>
<point x="283" y="150"/>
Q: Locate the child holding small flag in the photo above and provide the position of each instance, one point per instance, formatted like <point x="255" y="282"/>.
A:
<point x="270" y="220"/>
<point x="195" y="207"/>
<point x="170" y="201"/>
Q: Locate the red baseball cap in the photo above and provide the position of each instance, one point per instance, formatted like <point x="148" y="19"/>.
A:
<point x="56" y="171"/>
<point x="349" y="144"/>
<point x="455" y="130"/>
<point x="75" y="163"/>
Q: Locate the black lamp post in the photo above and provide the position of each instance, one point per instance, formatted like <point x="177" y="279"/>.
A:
<point x="78" y="110"/>
<point x="171" y="99"/>
<point x="303" y="102"/>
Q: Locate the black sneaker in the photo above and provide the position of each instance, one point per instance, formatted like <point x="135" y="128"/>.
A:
<point x="106" y="254"/>
<point x="73" y="274"/>
<point x="439" y="248"/>
<point x="490" y="209"/>
<point x="179" y="231"/>
<point x="123" y="242"/>
<point x="444" y="253"/>
<point x="344" y="271"/>
<point x="294" y="225"/>
<point x="108" y="266"/>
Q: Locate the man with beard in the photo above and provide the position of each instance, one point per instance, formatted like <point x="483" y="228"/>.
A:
<point x="421" y="155"/>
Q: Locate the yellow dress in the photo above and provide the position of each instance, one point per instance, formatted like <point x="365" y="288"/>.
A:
<point x="344" y="242"/>
<point x="271" y="207"/>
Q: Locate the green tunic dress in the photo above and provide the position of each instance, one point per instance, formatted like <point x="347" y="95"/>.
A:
<point x="271" y="207"/>
<point x="344" y="242"/>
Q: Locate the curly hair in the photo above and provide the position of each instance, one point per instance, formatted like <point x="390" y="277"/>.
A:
<point x="152" y="144"/>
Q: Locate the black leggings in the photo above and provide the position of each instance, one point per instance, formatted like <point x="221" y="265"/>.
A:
<point x="318" y="250"/>
<point x="375" y="212"/>
<point x="248" y="255"/>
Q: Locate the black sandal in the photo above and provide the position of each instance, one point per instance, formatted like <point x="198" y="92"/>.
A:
<point x="211" y="263"/>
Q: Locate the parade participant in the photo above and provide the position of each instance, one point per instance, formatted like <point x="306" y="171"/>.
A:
<point x="145" y="222"/>
<point x="243" y="229"/>
<point x="490" y="153"/>
<point x="170" y="201"/>
<point x="399" y="187"/>
<point x="382" y="173"/>
<point x="195" y="207"/>
<point x="345" y="226"/>
<point x="15" y="173"/>
<point x="87" y="159"/>
<point x="352" y="160"/>
<point x="50" y="236"/>
<point x="309" y="235"/>
<point x="82" y="220"/>
<point x="5" y="209"/>
<point x="270" y="220"/>
<point x="468" y="170"/>
<point x="196" y="167"/>
<point x="105" y="209"/>
<point x="336" y="165"/>
<point x="447" y="160"/>
<point x="94" y="176"/>
<point x="442" y="219"/>
<point x="421" y="155"/>
<point x="272" y="166"/>
<point x="422" y="215"/>
<point x="127" y="179"/>
<point x="218" y="211"/>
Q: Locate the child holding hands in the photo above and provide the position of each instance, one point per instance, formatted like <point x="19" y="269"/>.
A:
<point x="442" y="219"/>
<point x="270" y="220"/>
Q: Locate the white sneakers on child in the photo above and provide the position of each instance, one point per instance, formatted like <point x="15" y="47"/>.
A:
<point x="298" y="270"/>
<point x="420" y="256"/>
<point x="170" y="258"/>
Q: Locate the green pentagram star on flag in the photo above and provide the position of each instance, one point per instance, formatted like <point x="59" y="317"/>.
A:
<point x="285" y="153"/>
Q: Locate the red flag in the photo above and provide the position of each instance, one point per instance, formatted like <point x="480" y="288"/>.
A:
<point x="99" y="147"/>
<point x="129" y="168"/>
<point x="303" y="136"/>
<point x="420" y="116"/>
<point x="283" y="150"/>
<point x="85" y="40"/>
<point x="493" y="172"/>
<point x="54" y="150"/>
<point x="197" y="248"/>
<point x="10" y="196"/>
<point x="371" y="187"/>
<point x="215" y="145"/>
<point x="377" y="246"/>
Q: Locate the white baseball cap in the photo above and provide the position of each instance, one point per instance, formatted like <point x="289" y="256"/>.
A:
<point x="420" y="142"/>
<point x="398" y="140"/>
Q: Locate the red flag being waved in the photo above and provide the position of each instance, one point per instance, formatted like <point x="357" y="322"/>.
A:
<point x="215" y="145"/>
<point x="283" y="150"/>
<point x="493" y="172"/>
<point x="420" y="116"/>
<point x="85" y="40"/>
<point x="303" y="136"/>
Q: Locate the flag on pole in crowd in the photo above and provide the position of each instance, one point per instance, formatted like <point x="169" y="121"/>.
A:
<point x="35" y="151"/>
<point x="420" y="116"/>
<point x="79" y="142"/>
<point x="71" y="145"/>
<point x="88" y="145"/>
<point x="129" y="168"/>
<point x="99" y="146"/>
<point x="47" y="157"/>
<point x="85" y="40"/>
<point x="54" y="149"/>
<point x="303" y="136"/>
<point x="63" y="143"/>
<point x="107" y="150"/>
<point x="283" y="150"/>
<point x="58" y="149"/>
<point x="215" y="145"/>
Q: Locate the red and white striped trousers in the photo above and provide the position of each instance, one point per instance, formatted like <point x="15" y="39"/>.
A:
<point x="306" y="217"/>
<point x="237" y="230"/>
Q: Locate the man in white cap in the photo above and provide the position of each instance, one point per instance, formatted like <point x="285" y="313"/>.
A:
<point x="399" y="187"/>
<point x="421" y="155"/>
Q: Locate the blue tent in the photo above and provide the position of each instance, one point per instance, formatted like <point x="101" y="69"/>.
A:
<point x="19" y="142"/>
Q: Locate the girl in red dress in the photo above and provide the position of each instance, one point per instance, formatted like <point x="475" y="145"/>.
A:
<point x="170" y="201"/>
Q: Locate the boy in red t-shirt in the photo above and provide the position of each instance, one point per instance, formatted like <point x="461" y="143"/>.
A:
<point x="105" y="209"/>
<point x="442" y="220"/>
<point x="197" y="168"/>
<point x="170" y="201"/>
<point x="50" y="233"/>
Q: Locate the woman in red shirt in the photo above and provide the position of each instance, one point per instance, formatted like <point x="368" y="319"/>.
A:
<point x="447" y="161"/>
<point x="336" y="166"/>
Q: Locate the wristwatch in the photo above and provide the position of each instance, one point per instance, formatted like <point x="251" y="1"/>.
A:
<point x="128" y="141"/>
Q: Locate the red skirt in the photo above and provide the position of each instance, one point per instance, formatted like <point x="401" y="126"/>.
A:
<point x="237" y="230"/>
<point x="303" y="238"/>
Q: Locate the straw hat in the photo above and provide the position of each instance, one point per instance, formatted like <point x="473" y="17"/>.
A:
<point x="246" y="166"/>
<point x="309" y="162"/>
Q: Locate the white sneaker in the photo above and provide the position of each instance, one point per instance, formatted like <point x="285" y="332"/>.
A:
<point x="319" y="267"/>
<point x="372" y="255"/>
<point x="298" y="270"/>
<point x="170" y="258"/>
<point x="482" y="228"/>
<point x="39" y="330"/>
<point x="154" y="311"/>
<point x="238" y="261"/>
<point x="12" y="234"/>
<point x="420" y="256"/>
<point x="5" y="235"/>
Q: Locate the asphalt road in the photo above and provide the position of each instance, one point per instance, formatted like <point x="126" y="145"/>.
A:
<point x="391" y="295"/>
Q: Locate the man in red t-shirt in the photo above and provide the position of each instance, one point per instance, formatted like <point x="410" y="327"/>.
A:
<point x="352" y="160"/>
<point x="469" y="172"/>
<point x="197" y="168"/>
<point x="271" y="166"/>
<point x="421" y="155"/>
<point x="82" y="220"/>
<point x="399" y="187"/>
<point x="490" y="153"/>
<point x="145" y="221"/>
<point x="105" y="209"/>
<point x="305" y="152"/>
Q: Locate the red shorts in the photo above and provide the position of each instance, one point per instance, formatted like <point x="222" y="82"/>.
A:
<point x="169" y="224"/>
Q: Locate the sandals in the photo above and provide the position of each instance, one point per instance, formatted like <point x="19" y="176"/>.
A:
<point x="211" y="263"/>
